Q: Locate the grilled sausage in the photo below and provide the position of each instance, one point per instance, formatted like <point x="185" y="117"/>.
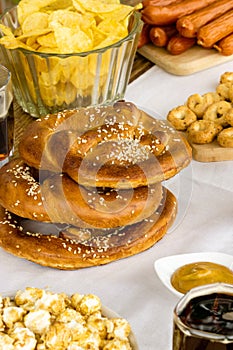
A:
<point x="225" y="45"/>
<point x="179" y="44"/>
<point x="189" y="25"/>
<point x="159" y="2"/>
<point x="214" y="31"/>
<point x="160" y="36"/>
<point x="165" y="15"/>
<point x="144" y="37"/>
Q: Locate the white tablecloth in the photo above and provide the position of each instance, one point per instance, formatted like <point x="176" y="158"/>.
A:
<point x="204" y="223"/>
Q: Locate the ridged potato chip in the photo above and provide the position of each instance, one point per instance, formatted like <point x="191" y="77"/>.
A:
<point x="35" y="21"/>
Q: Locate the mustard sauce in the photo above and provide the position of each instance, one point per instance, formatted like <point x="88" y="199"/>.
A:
<point x="199" y="273"/>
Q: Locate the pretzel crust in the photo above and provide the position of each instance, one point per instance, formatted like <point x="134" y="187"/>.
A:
<point x="68" y="251"/>
<point x="115" y="146"/>
<point x="60" y="199"/>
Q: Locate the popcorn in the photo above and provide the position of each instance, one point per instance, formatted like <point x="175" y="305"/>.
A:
<point x="23" y="339"/>
<point x="11" y="315"/>
<point x="37" y="319"/>
<point x="6" y="342"/>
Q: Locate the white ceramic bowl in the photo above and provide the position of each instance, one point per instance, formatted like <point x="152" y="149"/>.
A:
<point x="112" y="314"/>
<point x="166" y="266"/>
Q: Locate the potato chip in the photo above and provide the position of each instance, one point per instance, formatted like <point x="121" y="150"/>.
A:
<point x="27" y="7"/>
<point x="98" y="6"/>
<point x="78" y="7"/>
<point x="35" y="21"/>
<point x="119" y="14"/>
<point x="70" y="19"/>
<point x="47" y="40"/>
<point x="34" y="34"/>
<point x="72" y="40"/>
<point x="6" y="31"/>
<point x="57" y="5"/>
<point x="10" y="42"/>
<point x="113" y="28"/>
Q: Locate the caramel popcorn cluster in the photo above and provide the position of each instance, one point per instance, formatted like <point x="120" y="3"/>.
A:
<point x="40" y="319"/>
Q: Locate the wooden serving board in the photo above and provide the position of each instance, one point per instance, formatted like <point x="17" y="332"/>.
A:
<point x="210" y="152"/>
<point x="193" y="60"/>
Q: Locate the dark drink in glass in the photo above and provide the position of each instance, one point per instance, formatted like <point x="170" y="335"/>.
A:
<point x="6" y="115"/>
<point x="203" y="319"/>
<point x="7" y="133"/>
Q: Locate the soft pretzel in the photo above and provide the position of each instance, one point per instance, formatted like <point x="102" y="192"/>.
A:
<point x="217" y="112"/>
<point x="225" y="137"/>
<point x="203" y="131"/>
<point x="199" y="103"/>
<point x="108" y="146"/>
<point x="181" y="117"/>
<point x="61" y="200"/>
<point x="85" y="248"/>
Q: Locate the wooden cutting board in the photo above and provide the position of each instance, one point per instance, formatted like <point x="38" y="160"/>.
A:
<point x="211" y="152"/>
<point x="193" y="60"/>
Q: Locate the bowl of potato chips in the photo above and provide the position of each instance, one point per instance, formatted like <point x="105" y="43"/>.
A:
<point x="66" y="54"/>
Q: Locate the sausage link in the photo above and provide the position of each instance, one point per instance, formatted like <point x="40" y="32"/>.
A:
<point x="165" y="15"/>
<point x="214" y="31"/>
<point x="189" y="25"/>
<point x="159" y="2"/>
<point x="159" y="36"/>
<point x="225" y="45"/>
<point x="144" y="37"/>
<point x="179" y="44"/>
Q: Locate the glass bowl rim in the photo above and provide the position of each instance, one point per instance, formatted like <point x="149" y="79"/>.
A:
<point x="136" y="25"/>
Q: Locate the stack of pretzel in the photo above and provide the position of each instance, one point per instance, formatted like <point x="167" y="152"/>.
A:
<point x="177" y="25"/>
<point x="96" y="175"/>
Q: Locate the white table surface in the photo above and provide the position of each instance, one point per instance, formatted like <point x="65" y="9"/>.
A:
<point x="204" y="223"/>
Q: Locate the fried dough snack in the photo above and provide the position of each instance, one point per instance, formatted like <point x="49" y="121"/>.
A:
<point x="217" y="112"/>
<point x="199" y="103"/>
<point x="203" y="131"/>
<point x="225" y="137"/>
<point x="213" y="112"/>
<point x="181" y="117"/>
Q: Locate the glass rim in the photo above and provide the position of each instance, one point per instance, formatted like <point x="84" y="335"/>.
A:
<point x="223" y="288"/>
<point x="135" y="28"/>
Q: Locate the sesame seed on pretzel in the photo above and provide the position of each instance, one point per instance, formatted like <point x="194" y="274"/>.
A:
<point x="115" y="146"/>
<point x="75" y="248"/>
<point x="59" y="199"/>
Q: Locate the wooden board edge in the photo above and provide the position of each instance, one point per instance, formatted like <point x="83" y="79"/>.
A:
<point x="194" y="60"/>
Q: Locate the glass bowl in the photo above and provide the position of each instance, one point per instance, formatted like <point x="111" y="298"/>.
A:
<point x="48" y="82"/>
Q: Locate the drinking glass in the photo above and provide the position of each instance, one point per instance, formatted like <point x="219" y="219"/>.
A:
<point x="203" y="319"/>
<point x="6" y="115"/>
